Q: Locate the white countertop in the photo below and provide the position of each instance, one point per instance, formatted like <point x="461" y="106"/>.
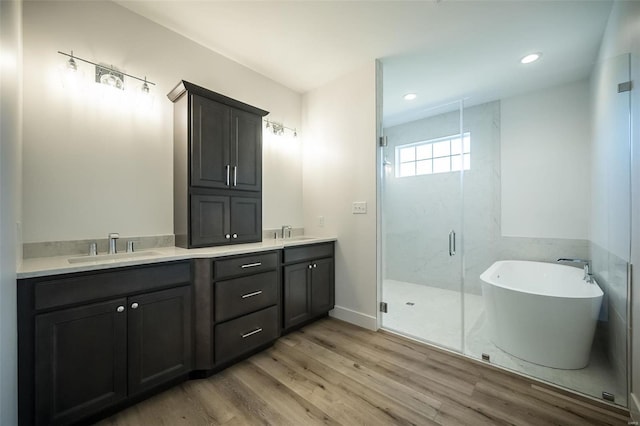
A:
<point x="43" y="266"/>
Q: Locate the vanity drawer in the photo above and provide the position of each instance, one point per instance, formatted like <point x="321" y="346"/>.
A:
<point x="242" y="295"/>
<point x="241" y="335"/>
<point x="310" y="252"/>
<point x="245" y="265"/>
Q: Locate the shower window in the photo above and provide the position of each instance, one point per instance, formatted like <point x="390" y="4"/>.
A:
<point x="442" y="155"/>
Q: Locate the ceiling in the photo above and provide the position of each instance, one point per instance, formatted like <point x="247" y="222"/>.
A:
<point x="440" y="50"/>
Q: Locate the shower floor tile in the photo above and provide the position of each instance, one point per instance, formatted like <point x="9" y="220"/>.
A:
<point x="433" y="315"/>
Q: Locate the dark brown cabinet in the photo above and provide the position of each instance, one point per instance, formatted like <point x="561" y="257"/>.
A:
<point x="217" y="168"/>
<point x="226" y="146"/>
<point x="243" y="313"/>
<point x="219" y="219"/>
<point x="309" y="289"/>
<point x="159" y="339"/>
<point x="80" y="355"/>
<point x="80" y="361"/>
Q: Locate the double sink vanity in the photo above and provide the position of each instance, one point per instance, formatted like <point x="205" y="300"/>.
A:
<point x="99" y="333"/>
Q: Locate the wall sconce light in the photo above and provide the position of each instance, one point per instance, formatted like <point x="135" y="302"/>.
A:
<point x="71" y="64"/>
<point x="106" y="75"/>
<point x="279" y="128"/>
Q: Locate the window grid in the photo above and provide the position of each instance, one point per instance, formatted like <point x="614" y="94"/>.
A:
<point x="442" y="155"/>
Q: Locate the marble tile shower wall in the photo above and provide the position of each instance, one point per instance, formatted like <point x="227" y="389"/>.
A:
<point x="611" y="274"/>
<point x="420" y="211"/>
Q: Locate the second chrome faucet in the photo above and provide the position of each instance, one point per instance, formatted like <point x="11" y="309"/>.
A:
<point x="286" y="229"/>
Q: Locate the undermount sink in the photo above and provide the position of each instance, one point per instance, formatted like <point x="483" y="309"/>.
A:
<point x="300" y="238"/>
<point x="117" y="256"/>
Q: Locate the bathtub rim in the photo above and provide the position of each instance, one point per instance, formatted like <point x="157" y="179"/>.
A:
<point x="486" y="280"/>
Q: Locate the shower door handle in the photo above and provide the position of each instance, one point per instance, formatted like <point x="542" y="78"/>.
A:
<point x="452" y="243"/>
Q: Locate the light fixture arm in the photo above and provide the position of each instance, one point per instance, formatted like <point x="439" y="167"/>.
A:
<point x="72" y="56"/>
<point x="279" y="128"/>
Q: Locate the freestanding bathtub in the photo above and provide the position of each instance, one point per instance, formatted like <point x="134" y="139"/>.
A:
<point x="541" y="312"/>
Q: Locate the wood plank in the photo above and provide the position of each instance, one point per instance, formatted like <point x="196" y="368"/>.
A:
<point x="280" y="397"/>
<point x="331" y="372"/>
<point x="341" y="396"/>
<point x="401" y="393"/>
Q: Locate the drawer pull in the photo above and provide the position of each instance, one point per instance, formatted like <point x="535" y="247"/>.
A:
<point x="251" y="265"/>
<point x="251" y="333"/>
<point x="255" y="293"/>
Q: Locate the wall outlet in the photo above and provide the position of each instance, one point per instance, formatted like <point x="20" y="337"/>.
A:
<point x="359" y="207"/>
<point x="321" y="221"/>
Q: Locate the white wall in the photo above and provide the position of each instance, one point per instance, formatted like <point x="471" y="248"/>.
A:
<point x="10" y="163"/>
<point x="623" y="36"/>
<point x="535" y="183"/>
<point x="339" y="168"/>
<point x="95" y="164"/>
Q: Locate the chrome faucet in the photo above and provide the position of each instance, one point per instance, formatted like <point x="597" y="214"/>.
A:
<point x="588" y="276"/>
<point x="113" y="237"/>
<point x="286" y="228"/>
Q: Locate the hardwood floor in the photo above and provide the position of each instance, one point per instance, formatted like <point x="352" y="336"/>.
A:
<point x="332" y="372"/>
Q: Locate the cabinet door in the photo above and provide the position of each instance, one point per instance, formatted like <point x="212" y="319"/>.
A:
<point x="159" y="337"/>
<point x="322" y="286"/>
<point x="246" y="150"/>
<point x="210" y="143"/>
<point x="80" y="361"/>
<point x="210" y="220"/>
<point x="297" y="298"/>
<point x="246" y="219"/>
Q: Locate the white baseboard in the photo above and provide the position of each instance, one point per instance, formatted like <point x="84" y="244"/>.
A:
<point x="354" y="317"/>
<point x="634" y="407"/>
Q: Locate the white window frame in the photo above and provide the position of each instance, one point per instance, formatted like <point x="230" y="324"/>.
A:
<point x="431" y="142"/>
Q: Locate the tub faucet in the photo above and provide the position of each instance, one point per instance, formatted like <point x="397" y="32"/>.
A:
<point x="588" y="276"/>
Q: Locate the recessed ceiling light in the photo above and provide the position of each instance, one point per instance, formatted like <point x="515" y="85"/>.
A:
<point x="410" y="96"/>
<point x="532" y="57"/>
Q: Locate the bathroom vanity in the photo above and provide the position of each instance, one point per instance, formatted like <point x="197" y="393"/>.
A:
<point x="95" y="337"/>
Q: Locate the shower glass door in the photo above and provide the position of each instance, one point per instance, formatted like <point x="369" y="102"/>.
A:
<point x="422" y="173"/>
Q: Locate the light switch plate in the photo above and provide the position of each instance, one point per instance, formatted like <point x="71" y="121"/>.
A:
<point x="321" y="221"/>
<point x="359" y="207"/>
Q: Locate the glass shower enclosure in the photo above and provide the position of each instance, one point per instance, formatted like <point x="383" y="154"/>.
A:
<point x="467" y="184"/>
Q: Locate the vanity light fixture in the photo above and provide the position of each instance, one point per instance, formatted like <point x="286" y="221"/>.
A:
<point x="279" y="128"/>
<point x="107" y="75"/>
<point x="410" y="96"/>
<point x="532" y="57"/>
<point x="71" y="64"/>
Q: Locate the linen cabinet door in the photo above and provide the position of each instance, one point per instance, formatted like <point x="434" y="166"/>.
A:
<point x="159" y="337"/>
<point x="80" y="361"/>
<point x="246" y="219"/>
<point x="210" y="149"/>
<point x="210" y="220"/>
<point x="246" y="151"/>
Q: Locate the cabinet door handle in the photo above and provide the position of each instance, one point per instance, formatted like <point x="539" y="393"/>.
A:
<point x="235" y="235"/>
<point x="227" y="236"/>
<point x="228" y="169"/>
<point x="134" y="305"/>
<point x="310" y="266"/>
<point x="251" y="333"/>
<point x="120" y="308"/>
<point x="251" y="265"/>
<point x="235" y="175"/>
<point x="248" y="295"/>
